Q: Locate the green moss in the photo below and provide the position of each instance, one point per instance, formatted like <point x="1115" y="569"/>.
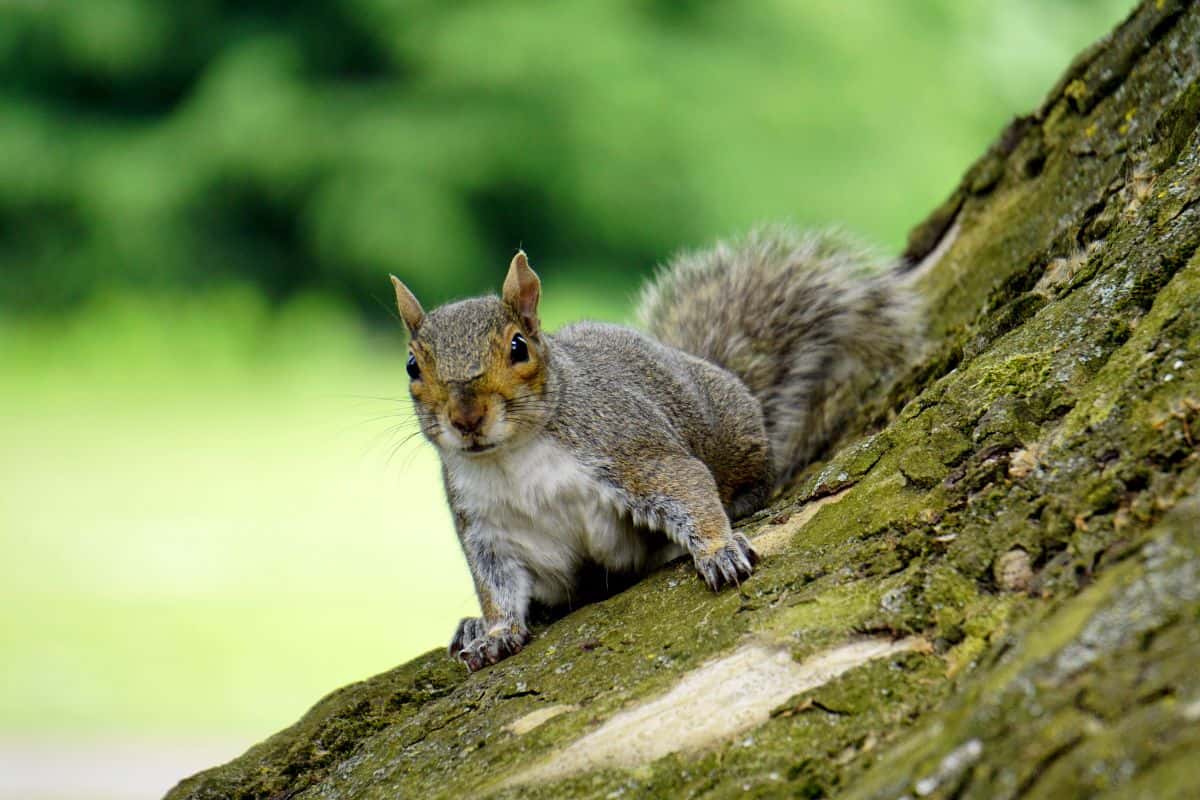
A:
<point x="922" y="466"/>
<point x="1077" y="93"/>
<point x="826" y="610"/>
<point x="949" y="594"/>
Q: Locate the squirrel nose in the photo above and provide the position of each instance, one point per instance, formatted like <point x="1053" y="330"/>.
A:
<point x="467" y="417"/>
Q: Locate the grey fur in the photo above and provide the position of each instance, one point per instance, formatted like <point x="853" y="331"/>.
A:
<point x="458" y="335"/>
<point x="801" y="319"/>
<point x="623" y="398"/>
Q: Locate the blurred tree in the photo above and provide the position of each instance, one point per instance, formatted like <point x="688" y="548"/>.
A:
<point x="303" y="146"/>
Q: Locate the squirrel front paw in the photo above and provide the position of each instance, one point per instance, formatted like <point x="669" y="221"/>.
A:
<point x="478" y="645"/>
<point x="732" y="563"/>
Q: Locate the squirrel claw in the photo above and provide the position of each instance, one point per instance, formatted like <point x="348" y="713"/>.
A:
<point x="732" y="564"/>
<point x="469" y="629"/>
<point x="477" y="647"/>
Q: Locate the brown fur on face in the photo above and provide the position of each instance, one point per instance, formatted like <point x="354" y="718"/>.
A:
<point x="470" y="395"/>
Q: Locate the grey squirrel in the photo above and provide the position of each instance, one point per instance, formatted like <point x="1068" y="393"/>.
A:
<point x="599" y="444"/>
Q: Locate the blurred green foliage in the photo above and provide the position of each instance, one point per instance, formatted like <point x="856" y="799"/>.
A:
<point x="312" y="147"/>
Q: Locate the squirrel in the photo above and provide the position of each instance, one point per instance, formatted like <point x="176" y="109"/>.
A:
<point x="603" y="445"/>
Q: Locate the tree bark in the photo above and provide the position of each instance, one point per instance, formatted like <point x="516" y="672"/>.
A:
<point x="991" y="591"/>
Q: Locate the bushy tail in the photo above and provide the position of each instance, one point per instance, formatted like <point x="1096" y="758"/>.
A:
<point x="806" y="321"/>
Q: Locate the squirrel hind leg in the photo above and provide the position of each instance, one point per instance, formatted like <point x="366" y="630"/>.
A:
<point x="750" y="499"/>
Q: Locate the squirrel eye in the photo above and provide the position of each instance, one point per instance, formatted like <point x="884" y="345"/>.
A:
<point x="414" y="371"/>
<point x="518" y="351"/>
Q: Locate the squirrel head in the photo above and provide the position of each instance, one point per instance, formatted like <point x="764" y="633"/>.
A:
<point x="478" y="368"/>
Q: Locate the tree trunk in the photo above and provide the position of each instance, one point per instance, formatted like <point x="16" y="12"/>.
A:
<point x="991" y="592"/>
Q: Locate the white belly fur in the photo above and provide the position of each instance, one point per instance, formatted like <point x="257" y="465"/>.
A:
<point x="544" y="508"/>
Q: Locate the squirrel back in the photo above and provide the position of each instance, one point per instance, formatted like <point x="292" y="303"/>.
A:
<point x="802" y="320"/>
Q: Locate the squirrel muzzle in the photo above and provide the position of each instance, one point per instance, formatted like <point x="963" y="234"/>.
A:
<point x="467" y="417"/>
<point x="466" y="411"/>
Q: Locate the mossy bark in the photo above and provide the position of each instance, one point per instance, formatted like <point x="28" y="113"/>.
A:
<point x="1025" y="503"/>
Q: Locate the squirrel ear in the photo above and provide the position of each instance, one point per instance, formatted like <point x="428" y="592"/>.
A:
<point x="522" y="289"/>
<point x="410" y="308"/>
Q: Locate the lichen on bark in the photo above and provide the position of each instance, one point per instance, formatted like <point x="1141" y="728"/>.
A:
<point x="1017" y="506"/>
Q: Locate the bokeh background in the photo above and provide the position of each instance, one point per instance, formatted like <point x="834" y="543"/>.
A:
<point x="209" y="516"/>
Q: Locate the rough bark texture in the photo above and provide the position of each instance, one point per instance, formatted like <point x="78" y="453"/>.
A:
<point x="1004" y="562"/>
